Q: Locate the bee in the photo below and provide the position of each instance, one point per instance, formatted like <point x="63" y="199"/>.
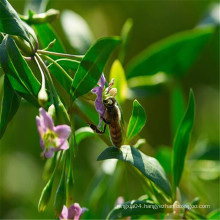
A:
<point x="112" y="118"/>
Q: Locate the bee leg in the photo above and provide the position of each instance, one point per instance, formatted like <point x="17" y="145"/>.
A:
<point x="95" y="129"/>
<point x="106" y="121"/>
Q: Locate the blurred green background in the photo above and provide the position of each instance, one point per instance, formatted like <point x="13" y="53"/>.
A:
<point x="21" y="167"/>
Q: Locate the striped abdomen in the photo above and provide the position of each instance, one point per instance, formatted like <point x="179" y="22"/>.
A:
<point x="115" y="133"/>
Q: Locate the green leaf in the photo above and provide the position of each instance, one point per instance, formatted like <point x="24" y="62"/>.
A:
<point x="46" y="35"/>
<point x="137" y="120"/>
<point x="173" y="55"/>
<point x="18" y="72"/>
<point x="214" y="214"/>
<point x="164" y="156"/>
<point x="83" y="133"/>
<point x="61" y="75"/>
<point x="10" y="105"/>
<point x="10" y="23"/>
<point x="134" y="208"/>
<point x="92" y="65"/>
<point x="177" y="107"/>
<point x="126" y="36"/>
<point x="147" y="165"/>
<point x="148" y="81"/>
<point x="77" y="31"/>
<point x="70" y="66"/>
<point x="120" y="82"/>
<point x="181" y="141"/>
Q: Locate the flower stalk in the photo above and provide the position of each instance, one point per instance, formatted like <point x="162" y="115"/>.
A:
<point x="77" y="57"/>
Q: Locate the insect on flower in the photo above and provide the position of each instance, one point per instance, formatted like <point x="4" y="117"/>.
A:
<point x="110" y="113"/>
<point x="52" y="138"/>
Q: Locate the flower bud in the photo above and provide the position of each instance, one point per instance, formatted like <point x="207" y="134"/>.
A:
<point x="42" y="97"/>
<point x="113" y="92"/>
<point x="176" y="208"/>
<point x="52" y="112"/>
<point x="45" y="195"/>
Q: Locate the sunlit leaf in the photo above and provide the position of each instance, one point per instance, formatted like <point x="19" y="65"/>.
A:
<point x="173" y="55"/>
<point x="181" y="141"/>
<point x="148" y="81"/>
<point x="137" y="120"/>
<point x="10" y="105"/>
<point x="147" y="165"/>
<point x="214" y="214"/>
<point x="10" y="23"/>
<point x="83" y="133"/>
<point x="92" y="65"/>
<point x="120" y="82"/>
<point x="134" y="208"/>
<point x="177" y="107"/>
<point x="77" y="31"/>
<point x="126" y="36"/>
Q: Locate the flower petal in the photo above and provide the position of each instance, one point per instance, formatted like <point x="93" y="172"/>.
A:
<point x="62" y="131"/>
<point x="64" y="146"/>
<point x="40" y="128"/>
<point x="47" y="120"/>
<point x="74" y="211"/>
<point x="102" y="80"/>
<point x="64" y="213"/>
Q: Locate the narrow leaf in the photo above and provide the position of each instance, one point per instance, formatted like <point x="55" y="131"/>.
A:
<point x="10" y="23"/>
<point x="173" y="55"/>
<point x="215" y="214"/>
<point x="77" y="31"/>
<point x="177" y="107"/>
<point x="19" y="74"/>
<point x="120" y="82"/>
<point x="83" y="133"/>
<point x="134" y="208"/>
<point x="92" y="65"/>
<point x="181" y="141"/>
<point x="148" y="81"/>
<point x="10" y="105"/>
<point x="147" y="165"/>
<point x="46" y="35"/>
<point x="70" y="66"/>
<point x="126" y="36"/>
<point x="137" y="120"/>
<point x="60" y="73"/>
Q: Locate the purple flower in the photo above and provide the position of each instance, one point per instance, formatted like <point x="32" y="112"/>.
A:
<point x="51" y="138"/>
<point x="98" y="102"/>
<point x="73" y="212"/>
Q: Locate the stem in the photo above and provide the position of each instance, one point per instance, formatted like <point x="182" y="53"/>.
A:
<point x="42" y="73"/>
<point x="58" y="66"/>
<point x="77" y="57"/>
